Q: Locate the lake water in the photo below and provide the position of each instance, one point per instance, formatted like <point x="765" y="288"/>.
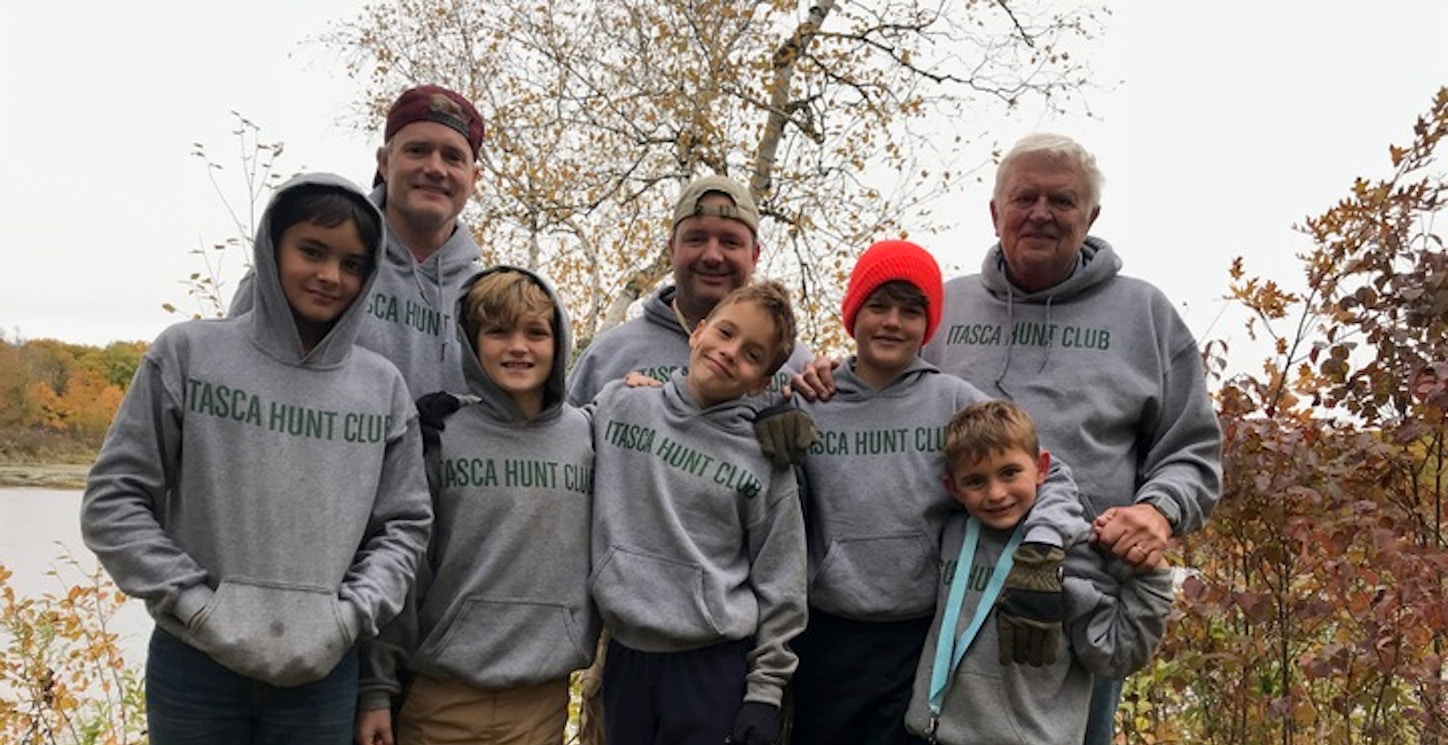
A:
<point x="38" y="529"/>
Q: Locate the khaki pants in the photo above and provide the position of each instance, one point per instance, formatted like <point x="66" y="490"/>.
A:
<point x="442" y="712"/>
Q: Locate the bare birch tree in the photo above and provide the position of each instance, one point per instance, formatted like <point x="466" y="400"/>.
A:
<point x="846" y="119"/>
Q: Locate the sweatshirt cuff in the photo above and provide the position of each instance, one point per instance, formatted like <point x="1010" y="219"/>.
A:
<point x="373" y="699"/>
<point x="1045" y="534"/>
<point x="190" y="601"/>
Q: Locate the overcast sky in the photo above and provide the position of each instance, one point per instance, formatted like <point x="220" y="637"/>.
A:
<point x="1224" y="124"/>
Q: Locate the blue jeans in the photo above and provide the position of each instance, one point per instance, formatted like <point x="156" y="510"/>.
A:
<point x="1101" y="724"/>
<point x="192" y="700"/>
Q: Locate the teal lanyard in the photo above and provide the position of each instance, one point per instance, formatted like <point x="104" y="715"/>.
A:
<point x="948" y="655"/>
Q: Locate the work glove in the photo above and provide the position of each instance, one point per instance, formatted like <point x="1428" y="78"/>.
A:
<point x="784" y="433"/>
<point x="756" y="724"/>
<point x="434" y="408"/>
<point x="1031" y="607"/>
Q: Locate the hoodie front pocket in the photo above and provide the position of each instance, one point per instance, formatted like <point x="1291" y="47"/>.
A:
<point x="282" y="634"/>
<point x="504" y="643"/>
<point x="879" y="575"/>
<point x="652" y="594"/>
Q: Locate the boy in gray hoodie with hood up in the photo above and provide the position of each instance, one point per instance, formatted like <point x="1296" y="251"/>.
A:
<point x="261" y="488"/>
<point x="502" y="612"/>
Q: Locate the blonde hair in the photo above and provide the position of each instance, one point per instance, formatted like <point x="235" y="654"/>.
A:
<point x="506" y="298"/>
<point x="773" y="299"/>
<point x="980" y="429"/>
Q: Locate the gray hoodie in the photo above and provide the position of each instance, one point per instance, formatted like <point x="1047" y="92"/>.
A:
<point x="654" y="344"/>
<point x="1108" y="371"/>
<point x="409" y="308"/>
<point x="268" y="505"/>
<point x="503" y="600"/>
<point x="697" y="537"/>
<point x="1114" y="621"/>
<point x="875" y="499"/>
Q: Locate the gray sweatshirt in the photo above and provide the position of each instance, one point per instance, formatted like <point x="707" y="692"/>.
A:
<point x="269" y="506"/>
<point x="409" y="309"/>
<point x="697" y="537"/>
<point x="875" y="501"/>
<point x="654" y="344"/>
<point x="1114" y="621"/>
<point x="1107" y="369"/>
<point x="503" y="600"/>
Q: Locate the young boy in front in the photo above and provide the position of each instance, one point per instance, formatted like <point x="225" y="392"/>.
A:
<point x="502" y="613"/>
<point x="875" y="507"/>
<point x="698" y="543"/>
<point x="964" y="694"/>
<point x="261" y="488"/>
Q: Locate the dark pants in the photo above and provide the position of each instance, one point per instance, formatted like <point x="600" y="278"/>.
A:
<point x="673" y="698"/>
<point x="854" y="679"/>
<point x="193" y="700"/>
<point x="1101" y="723"/>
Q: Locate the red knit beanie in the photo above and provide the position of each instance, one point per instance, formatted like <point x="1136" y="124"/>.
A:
<point x="890" y="261"/>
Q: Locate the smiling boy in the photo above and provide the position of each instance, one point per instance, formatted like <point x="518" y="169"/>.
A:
<point x="266" y="538"/>
<point x="698" y="542"/>
<point x="875" y="506"/>
<point x="1114" y="616"/>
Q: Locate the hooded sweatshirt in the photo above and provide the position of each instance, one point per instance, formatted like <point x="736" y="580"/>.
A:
<point x="697" y="537"/>
<point x="875" y="501"/>
<point x="656" y="345"/>
<point x="409" y="309"/>
<point x="268" y="504"/>
<point x="503" y="600"/>
<point x="1114" y="621"/>
<point x="1108" y="371"/>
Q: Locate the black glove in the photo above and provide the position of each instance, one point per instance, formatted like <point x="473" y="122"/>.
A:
<point x="756" y="724"/>
<point x="1031" y="606"/>
<point x="433" y="408"/>
<point x="784" y="433"/>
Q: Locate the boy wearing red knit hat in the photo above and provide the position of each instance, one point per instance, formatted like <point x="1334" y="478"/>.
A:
<point x="875" y="503"/>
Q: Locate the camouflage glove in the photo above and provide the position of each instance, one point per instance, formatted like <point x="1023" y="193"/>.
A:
<point x="784" y="433"/>
<point x="1031" y="606"/>
<point x="756" y="724"/>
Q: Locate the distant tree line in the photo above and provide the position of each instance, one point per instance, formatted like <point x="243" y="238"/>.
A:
<point x="57" y="399"/>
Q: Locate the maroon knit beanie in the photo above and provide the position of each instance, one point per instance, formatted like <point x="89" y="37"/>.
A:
<point x="891" y="261"/>
<point x="433" y="103"/>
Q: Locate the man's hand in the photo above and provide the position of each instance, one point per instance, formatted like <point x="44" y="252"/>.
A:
<point x="817" y="381"/>
<point x="374" y="727"/>
<point x="756" y="724"/>
<point x="1031" y="607"/>
<point x="784" y="433"/>
<point x="1138" y="535"/>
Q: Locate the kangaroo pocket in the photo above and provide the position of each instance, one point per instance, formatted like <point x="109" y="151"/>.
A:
<point x="889" y="576"/>
<point x="651" y="598"/>
<point x="503" y="643"/>
<point x="283" y="634"/>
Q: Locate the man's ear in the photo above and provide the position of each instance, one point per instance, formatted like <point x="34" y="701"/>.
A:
<point x="995" y="218"/>
<point x="1095" y="213"/>
<point x="1043" y="464"/>
<point x="382" y="159"/>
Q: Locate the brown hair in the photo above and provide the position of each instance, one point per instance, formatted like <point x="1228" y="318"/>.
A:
<point x="773" y="299"/>
<point x="988" y="427"/>
<point x="505" y="297"/>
